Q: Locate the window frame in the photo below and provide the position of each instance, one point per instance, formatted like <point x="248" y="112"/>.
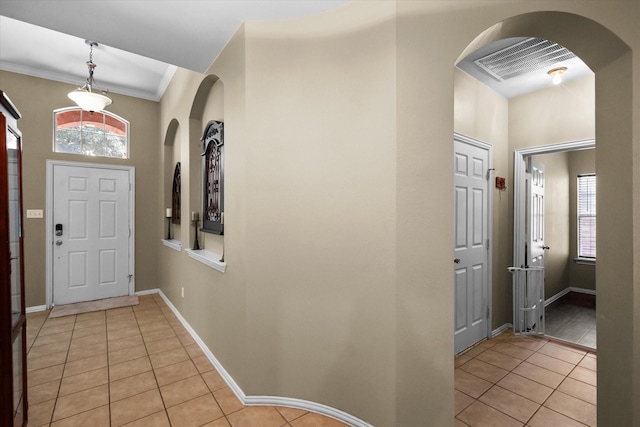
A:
<point x="82" y="112"/>
<point x="588" y="180"/>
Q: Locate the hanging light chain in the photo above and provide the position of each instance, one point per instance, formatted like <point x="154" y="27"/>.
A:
<point x="90" y="81"/>
<point x="91" y="51"/>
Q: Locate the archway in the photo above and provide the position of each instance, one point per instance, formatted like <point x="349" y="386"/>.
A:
<point x="610" y="59"/>
<point x="199" y="108"/>
<point x="171" y="152"/>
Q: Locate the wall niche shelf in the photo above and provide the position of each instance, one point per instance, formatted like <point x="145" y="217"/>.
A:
<point x="174" y="244"/>
<point x="210" y="259"/>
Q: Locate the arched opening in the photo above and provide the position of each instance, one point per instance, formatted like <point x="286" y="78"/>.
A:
<point x="610" y="60"/>
<point x="171" y="148"/>
<point x="208" y="104"/>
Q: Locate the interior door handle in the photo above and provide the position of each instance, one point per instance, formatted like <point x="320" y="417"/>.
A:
<point x="456" y="260"/>
<point x="544" y="248"/>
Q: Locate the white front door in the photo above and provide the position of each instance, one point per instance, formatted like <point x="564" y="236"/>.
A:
<point x="471" y="239"/>
<point x="91" y="232"/>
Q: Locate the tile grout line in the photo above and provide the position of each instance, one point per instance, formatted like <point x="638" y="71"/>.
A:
<point x="55" y="399"/>
<point x="144" y="343"/>
<point x="106" y="331"/>
<point x="199" y="374"/>
<point x="166" y="410"/>
<point x="55" y="405"/>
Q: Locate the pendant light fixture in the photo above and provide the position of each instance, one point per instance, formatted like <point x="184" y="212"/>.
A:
<point x="84" y="96"/>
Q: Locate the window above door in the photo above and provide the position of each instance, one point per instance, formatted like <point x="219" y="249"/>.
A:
<point x="87" y="133"/>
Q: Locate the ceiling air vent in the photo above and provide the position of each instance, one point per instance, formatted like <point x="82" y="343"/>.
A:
<point x="528" y="55"/>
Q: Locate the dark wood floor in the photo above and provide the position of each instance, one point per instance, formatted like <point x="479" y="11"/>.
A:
<point x="573" y="318"/>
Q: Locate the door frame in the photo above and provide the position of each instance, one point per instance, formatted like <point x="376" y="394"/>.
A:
<point x="49" y="219"/>
<point x="483" y="145"/>
<point x="519" y="192"/>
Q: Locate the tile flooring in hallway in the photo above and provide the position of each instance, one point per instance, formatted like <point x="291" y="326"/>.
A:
<point x="134" y="366"/>
<point x="522" y="381"/>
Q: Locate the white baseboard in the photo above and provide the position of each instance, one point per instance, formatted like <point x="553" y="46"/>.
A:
<point x="306" y="405"/>
<point x="566" y="291"/>
<point x="259" y="400"/>
<point x="501" y="329"/>
<point x="36" y="308"/>
<point x="147" y="292"/>
<point x="556" y="296"/>
<point x="223" y="373"/>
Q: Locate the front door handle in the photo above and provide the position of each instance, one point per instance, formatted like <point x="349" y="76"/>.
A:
<point x="58" y="242"/>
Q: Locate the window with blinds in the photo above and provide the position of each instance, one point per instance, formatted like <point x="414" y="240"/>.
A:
<point x="587" y="216"/>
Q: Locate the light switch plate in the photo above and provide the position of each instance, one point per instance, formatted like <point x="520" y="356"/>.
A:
<point x="34" y="213"/>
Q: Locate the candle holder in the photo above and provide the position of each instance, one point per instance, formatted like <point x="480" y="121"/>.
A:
<point x="222" y="222"/>
<point x="168" y="228"/>
<point x="196" y="245"/>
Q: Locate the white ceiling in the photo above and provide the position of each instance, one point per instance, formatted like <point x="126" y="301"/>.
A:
<point x="141" y="41"/>
<point x="523" y="84"/>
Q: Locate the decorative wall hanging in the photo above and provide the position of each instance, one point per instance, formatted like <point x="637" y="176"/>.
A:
<point x="175" y="195"/>
<point x="213" y="176"/>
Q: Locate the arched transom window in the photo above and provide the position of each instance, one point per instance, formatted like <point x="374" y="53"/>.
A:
<point x="89" y="133"/>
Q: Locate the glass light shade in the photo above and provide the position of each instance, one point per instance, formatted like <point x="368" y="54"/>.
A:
<point x="89" y="101"/>
<point x="556" y="74"/>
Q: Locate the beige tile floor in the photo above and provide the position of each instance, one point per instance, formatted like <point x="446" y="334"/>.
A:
<point x="520" y="381"/>
<point x="134" y="366"/>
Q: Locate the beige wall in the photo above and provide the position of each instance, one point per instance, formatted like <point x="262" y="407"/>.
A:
<point x="339" y="210"/>
<point x="580" y="275"/>
<point x="309" y="218"/>
<point x="320" y="190"/>
<point x="563" y="113"/>
<point x="339" y="206"/>
<point x="213" y="302"/>
<point x="37" y="130"/>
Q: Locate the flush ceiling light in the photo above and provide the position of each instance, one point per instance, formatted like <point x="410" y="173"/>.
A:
<point x="556" y="74"/>
<point x="84" y="96"/>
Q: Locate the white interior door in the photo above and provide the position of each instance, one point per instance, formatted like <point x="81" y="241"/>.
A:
<point x="471" y="241"/>
<point x="535" y="229"/>
<point x="91" y="233"/>
<point x="529" y="283"/>
<point x="522" y="256"/>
